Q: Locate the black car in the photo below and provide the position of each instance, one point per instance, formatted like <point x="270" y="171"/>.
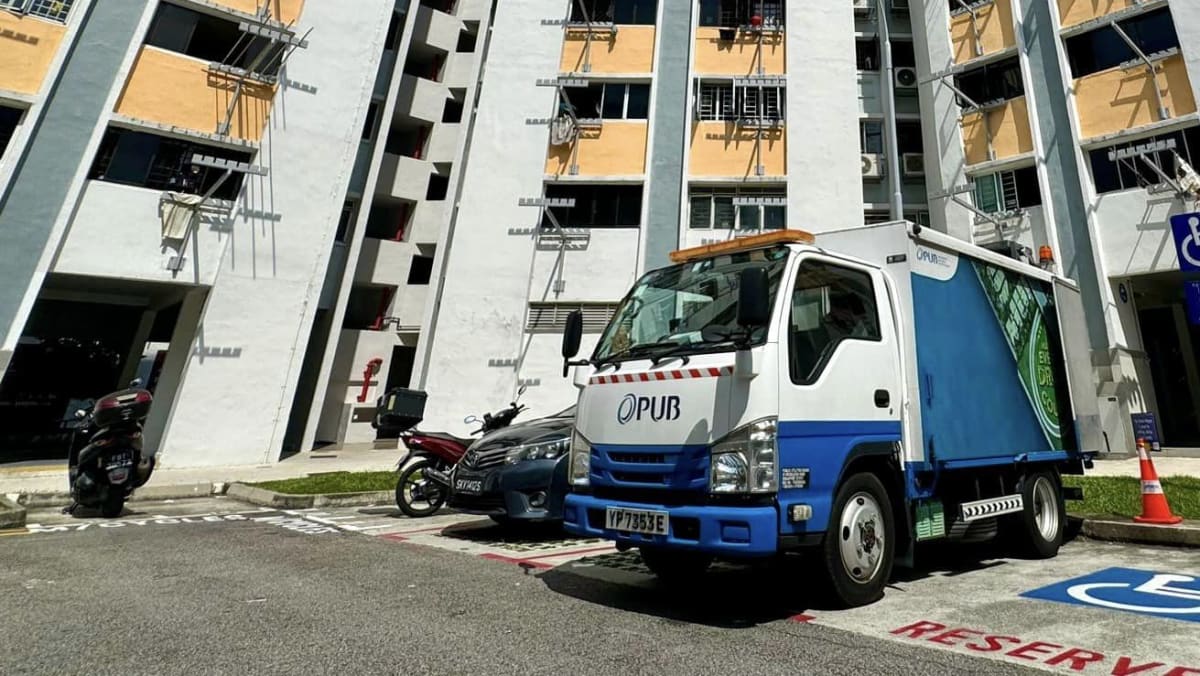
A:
<point x="517" y="474"/>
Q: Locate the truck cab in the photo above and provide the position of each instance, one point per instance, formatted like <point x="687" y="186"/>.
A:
<point x="765" y="394"/>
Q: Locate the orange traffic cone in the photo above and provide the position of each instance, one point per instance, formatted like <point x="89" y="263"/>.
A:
<point x="1154" y="502"/>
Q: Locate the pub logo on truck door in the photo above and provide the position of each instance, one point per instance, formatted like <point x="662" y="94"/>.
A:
<point x="659" y="408"/>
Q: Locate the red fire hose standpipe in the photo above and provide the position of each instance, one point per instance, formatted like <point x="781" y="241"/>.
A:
<point x="372" y="368"/>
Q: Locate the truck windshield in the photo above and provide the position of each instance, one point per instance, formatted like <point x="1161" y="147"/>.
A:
<point x="687" y="308"/>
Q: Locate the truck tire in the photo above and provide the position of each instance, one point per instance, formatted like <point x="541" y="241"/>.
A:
<point x="675" y="567"/>
<point x="1038" y="530"/>
<point x="860" y="545"/>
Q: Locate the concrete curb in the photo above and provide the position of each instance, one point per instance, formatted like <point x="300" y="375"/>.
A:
<point x="12" y="515"/>
<point x="265" y="498"/>
<point x="1186" y="534"/>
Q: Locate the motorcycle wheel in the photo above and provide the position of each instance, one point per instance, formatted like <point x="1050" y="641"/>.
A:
<point x="413" y="490"/>
<point x="113" y="505"/>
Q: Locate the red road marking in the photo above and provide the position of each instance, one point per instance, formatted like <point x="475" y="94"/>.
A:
<point x="802" y="618"/>
<point x="568" y="553"/>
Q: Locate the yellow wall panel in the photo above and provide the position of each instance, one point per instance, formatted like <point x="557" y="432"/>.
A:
<point x="631" y="50"/>
<point x="1071" y="12"/>
<point x="725" y="149"/>
<point x="27" y="48"/>
<point x="995" y="27"/>
<point x="173" y="89"/>
<point x="618" y="148"/>
<point x="1009" y="125"/>
<point x="284" y="11"/>
<point x="740" y="56"/>
<point x="1116" y="99"/>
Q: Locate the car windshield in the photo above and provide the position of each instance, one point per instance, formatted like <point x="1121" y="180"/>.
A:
<point x="687" y="308"/>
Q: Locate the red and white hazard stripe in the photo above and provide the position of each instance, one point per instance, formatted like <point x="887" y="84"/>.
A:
<point x="651" y="376"/>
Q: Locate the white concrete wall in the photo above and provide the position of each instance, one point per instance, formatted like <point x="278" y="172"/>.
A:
<point x="1186" y="15"/>
<point x="444" y="142"/>
<point x="823" y="163"/>
<point x="422" y="98"/>
<point x="117" y="232"/>
<point x="404" y="177"/>
<point x="234" y="410"/>
<point x="940" y="126"/>
<point x="428" y="220"/>
<point x="603" y="271"/>
<point x="487" y="270"/>
<point x="354" y="350"/>
<point x="436" y="29"/>
<point x="1134" y="232"/>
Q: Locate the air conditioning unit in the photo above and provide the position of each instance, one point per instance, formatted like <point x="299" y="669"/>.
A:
<point x="906" y="78"/>
<point x="872" y="165"/>
<point x="913" y="164"/>
<point x="862" y="6"/>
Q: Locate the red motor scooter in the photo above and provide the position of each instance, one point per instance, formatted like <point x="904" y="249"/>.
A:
<point x="424" y="482"/>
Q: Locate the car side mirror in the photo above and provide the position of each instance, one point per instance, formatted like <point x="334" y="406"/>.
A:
<point x="753" y="309"/>
<point x="572" y="338"/>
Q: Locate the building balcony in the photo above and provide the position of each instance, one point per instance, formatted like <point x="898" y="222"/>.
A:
<point x="726" y="150"/>
<point x="739" y="56"/>
<point x="282" y="11"/>
<point x="427" y="220"/>
<point x="409" y="306"/>
<point x="460" y="70"/>
<point x="989" y="32"/>
<point x="613" y="149"/>
<point x="1074" y="12"/>
<point x="630" y="50"/>
<point x="443" y="142"/>
<point x="1119" y="99"/>
<point x="1008" y="126"/>
<point x="30" y="46"/>
<point x="403" y="177"/>
<point x="117" y="232"/>
<point x="383" y="262"/>
<point x="421" y="99"/>
<point x="435" y="29"/>
<point x="181" y="91"/>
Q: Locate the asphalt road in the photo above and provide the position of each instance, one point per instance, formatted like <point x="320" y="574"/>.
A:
<point x="232" y="594"/>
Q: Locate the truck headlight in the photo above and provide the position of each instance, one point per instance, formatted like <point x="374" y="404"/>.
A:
<point x="536" y="451"/>
<point x="744" y="461"/>
<point x="580" y="460"/>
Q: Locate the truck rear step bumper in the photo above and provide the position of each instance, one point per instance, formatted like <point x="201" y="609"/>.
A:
<point x="723" y="531"/>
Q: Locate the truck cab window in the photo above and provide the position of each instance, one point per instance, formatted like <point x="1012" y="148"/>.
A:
<point x="829" y="304"/>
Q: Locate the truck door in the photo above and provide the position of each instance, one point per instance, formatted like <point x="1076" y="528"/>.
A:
<point x="840" y="387"/>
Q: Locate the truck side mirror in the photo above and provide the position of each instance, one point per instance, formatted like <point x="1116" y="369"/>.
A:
<point x="572" y="337"/>
<point x="753" y="309"/>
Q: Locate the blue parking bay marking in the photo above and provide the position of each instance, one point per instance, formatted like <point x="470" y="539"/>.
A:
<point x="1147" y="592"/>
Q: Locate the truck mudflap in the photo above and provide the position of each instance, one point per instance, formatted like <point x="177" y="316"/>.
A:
<point x="741" y="531"/>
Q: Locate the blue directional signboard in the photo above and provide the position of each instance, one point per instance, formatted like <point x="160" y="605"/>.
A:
<point x="1146" y="592"/>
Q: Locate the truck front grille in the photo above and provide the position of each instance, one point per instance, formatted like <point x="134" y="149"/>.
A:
<point x="670" y="467"/>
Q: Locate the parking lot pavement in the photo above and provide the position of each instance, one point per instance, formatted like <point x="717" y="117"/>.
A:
<point x="966" y="599"/>
<point x="251" y="595"/>
<point x="490" y="596"/>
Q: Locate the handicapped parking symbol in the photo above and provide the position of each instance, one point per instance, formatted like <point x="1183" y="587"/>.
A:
<point x="1130" y="590"/>
<point x="1186" y="229"/>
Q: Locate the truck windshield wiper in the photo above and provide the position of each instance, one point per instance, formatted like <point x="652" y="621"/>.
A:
<point x="683" y="348"/>
<point x="634" y="350"/>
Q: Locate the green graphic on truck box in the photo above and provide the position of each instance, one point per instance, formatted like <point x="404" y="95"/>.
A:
<point x="1019" y="304"/>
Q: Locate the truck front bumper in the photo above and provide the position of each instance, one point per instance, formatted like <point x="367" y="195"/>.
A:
<point x="720" y="530"/>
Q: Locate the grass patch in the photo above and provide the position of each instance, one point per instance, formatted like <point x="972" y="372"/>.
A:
<point x="333" y="482"/>
<point x="1122" y="496"/>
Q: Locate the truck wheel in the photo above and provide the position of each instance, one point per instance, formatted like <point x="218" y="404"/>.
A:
<point x="675" y="567"/>
<point x="859" y="547"/>
<point x="1038" y="530"/>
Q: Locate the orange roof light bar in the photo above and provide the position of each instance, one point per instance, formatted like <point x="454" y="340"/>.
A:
<point x="743" y="244"/>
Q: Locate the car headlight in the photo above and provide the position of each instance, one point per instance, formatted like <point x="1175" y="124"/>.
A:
<point x="580" y="460"/>
<point x="538" y="451"/>
<point x="744" y="461"/>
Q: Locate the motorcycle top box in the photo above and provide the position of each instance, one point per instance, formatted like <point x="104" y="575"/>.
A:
<point x="399" y="409"/>
<point x="131" y="405"/>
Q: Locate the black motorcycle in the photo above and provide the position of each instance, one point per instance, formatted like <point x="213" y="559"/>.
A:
<point x="105" y="463"/>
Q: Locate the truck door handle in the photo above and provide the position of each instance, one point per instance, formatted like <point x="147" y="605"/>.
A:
<point x="882" y="398"/>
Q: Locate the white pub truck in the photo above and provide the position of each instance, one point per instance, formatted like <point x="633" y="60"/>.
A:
<point x="850" y="393"/>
